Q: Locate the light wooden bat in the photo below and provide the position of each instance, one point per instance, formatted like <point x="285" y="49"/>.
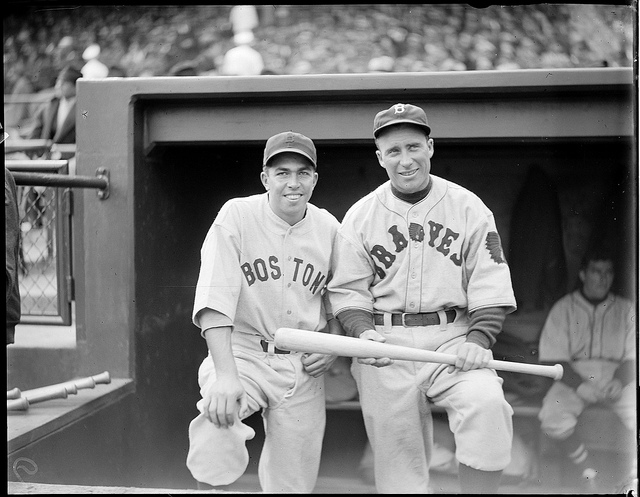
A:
<point x="14" y="393"/>
<point x="297" y="340"/>
<point x="56" y="391"/>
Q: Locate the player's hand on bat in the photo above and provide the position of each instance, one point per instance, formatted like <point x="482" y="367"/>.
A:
<point x="317" y="364"/>
<point x="470" y="356"/>
<point x="613" y="390"/>
<point x="225" y="401"/>
<point x="379" y="362"/>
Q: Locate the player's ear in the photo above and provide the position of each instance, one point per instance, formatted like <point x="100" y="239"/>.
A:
<point x="582" y="274"/>
<point x="430" y="147"/>
<point x="379" y="156"/>
<point x="264" y="177"/>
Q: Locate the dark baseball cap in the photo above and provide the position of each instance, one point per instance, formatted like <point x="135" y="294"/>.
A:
<point x="398" y="114"/>
<point x="289" y="141"/>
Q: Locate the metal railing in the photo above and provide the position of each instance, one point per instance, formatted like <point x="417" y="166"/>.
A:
<point x="46" y="208"/>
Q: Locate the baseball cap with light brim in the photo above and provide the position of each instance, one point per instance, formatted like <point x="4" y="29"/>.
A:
<point x="290" y="141"/>
<point x="398" y="114"/>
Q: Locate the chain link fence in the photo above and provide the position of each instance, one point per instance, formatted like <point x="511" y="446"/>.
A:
<point x="45" y="278"/>
<point x="38" y="262"/>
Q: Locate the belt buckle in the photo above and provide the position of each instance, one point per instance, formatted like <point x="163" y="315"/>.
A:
<point x="402" y="318"/>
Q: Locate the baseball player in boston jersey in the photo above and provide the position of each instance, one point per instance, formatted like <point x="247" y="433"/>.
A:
<point x="265" y="264"/>
<point x="418" y="262"/>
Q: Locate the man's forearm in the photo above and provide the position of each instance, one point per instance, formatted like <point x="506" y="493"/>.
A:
<point x="355" y="321"/>
<point x="221" y="350"/>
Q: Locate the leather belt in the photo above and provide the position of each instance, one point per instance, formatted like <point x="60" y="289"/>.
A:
<point x="276" y="350"/>
<point x="416" y="319"/>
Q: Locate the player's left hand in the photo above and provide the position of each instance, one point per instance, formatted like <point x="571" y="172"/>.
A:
<point x="470" y="356"/>
<point x="317" y="364"/>
<point x="613" y="390"/>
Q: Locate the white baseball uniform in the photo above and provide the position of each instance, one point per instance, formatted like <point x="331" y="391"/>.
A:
<point x="263" y="274"/>
<point x="440" y="253"/>
<point x="595" y="340"/>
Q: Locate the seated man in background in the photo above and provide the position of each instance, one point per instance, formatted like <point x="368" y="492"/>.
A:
<point x="591" y="332"/>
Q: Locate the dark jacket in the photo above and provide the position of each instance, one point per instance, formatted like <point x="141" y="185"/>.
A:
<point x="12" y="246"/>
<point x="45" y="127"/>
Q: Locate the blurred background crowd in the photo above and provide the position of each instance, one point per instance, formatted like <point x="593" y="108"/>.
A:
<point x="39" y="39"/>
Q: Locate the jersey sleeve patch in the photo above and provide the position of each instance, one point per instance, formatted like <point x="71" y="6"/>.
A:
<point x="494" y="247"/>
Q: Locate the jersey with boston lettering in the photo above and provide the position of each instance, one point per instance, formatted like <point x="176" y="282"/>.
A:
<point x="263" y="273"/>
<point x="442" y="252"/>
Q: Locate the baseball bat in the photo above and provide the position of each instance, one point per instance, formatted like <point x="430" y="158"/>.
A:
<point x="324" y="343"/>
<point x="58" y="390"/>
<point x="14" y="393"/>
<point x="45" y="393"/>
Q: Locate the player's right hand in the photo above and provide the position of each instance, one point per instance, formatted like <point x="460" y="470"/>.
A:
<point x="225" y="402"/>
<point x="588" y="392"/>
<point x="372" y="361"/>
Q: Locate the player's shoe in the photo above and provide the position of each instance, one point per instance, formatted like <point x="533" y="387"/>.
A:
<point x="589" y="482"/>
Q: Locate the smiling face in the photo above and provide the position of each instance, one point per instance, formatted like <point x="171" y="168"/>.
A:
<point x="290" y="179"/>
<point x="405" y="152"/>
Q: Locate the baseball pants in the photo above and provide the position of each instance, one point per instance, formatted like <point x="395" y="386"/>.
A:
<point x="293" y="411"/>
<point x="562" y="407"/>
<point x="398" y="418"/>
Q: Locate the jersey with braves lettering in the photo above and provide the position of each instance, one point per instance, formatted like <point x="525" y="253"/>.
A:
<point x="442" y="252"/>
<point x="263" y="273"/>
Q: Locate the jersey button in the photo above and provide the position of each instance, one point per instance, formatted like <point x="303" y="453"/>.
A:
<point x="289" y="285"/>
<point x="289" y="311"/>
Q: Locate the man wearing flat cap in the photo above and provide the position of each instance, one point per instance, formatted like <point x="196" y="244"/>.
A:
<point x="418" y="262"/>
<point x="265" y="263"/>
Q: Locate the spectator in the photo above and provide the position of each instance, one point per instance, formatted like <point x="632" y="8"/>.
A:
<point x="243" y="18"/>
<point x="56" y="120"/>
<point x="591" y="332"/>
<point x="17" y="114"/>
<point x="116" y="71"/>
<point x="243" y="59"/>
<point x="184" y="68"/>
<point x="93" y="68"/>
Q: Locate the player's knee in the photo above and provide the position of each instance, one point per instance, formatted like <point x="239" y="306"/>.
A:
<point x="555" y="430"/>
<point x="486" y="398"/>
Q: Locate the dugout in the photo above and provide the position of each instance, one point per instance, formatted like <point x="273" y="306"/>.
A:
<point x="176" y="148"/>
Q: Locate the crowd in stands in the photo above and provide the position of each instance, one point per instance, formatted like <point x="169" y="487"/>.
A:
<point x="314" y="39"/>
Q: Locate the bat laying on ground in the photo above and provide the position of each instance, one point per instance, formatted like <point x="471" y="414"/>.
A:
<point x="324" y="343"/>
<point x="56" y="391"/>
<point x="14" y="393"/>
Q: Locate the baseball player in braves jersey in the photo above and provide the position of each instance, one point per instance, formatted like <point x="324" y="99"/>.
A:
<point x="265" y="265"/>
<point x="591" y="332"/>
<point x="418" y="262"/>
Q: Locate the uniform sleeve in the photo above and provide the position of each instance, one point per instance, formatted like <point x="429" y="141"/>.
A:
<point x="353" y="276"/>
<point x="554" y="340"/>
<point x="487" y="272"/>
<point x="219" y="279"/>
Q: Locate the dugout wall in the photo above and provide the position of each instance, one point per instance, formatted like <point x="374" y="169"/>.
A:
<point x="177" y="148"/>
